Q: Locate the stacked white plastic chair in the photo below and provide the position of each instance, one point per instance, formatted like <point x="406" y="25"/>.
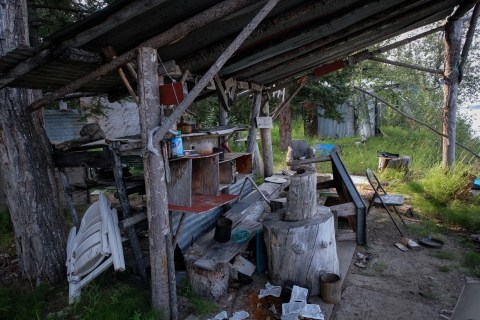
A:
<point x="95" y="247"/>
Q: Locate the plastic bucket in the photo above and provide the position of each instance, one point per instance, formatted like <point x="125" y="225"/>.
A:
<point x="330" y="288"/>
<point x="223" y="230"/>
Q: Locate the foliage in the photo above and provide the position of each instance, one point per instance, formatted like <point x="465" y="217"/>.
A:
<point x="48" y="16"/>
<point x="17" y="303"/>
<point x="327" y="92"/>
<point x="202" y="307"/>
<point x="6" y="224"/>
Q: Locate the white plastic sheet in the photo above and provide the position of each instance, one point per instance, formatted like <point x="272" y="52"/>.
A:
<point x="299" y="294"/>
<point x="312" y="311"/>
<point x="270" y="290"/>
<point x="239" y="315"/>
<point x="220" y="316"/>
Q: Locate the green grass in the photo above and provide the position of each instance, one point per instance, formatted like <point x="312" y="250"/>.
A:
<point x="445" y="255"/>
<point x="16" y="303"/>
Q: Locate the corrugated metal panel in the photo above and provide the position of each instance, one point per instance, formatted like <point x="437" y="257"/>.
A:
<point x="197" y="225"/>
<point x="15" y="56"/>
<point x="63" y="125"/>
<point x="122" y="118"/>
<point x="329" y="128"/>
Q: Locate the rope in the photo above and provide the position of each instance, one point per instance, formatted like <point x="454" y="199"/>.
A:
<point x="240" y="235"/>
<point x="168" y="74"/>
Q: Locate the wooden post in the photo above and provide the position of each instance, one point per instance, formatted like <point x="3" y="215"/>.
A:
<point x="266" y="136"/>
<point x="155" y="184"/>
<point x="453" y="35"/>
<point x="252" y="145"/>
<point x="285" y="126"/>
<point x="125" y="203"/>
<point x="68" y="196"/>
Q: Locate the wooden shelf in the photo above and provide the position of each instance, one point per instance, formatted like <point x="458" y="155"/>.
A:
<point x="203" y="203"/>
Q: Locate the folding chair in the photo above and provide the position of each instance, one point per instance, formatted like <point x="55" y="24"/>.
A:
<point x="383" y="200"/>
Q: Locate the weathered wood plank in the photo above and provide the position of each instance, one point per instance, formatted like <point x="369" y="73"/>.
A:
<point x="205" y="176"/>
<point x="221" y="253"/>
<point x="179" y="188"/>
<point x="307" y="161"/>
<point x="264" y="123"/>
<point x="344" y="209"/>
<point x="93" y="159"/>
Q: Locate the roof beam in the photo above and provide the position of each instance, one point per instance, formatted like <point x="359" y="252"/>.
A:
<point x="462" y="9"/>
<point x="178" y="31"/>
<point x="406" y="65"/>
<point x="358" y="30"/>
<point x="205" y="56"/>
<point x="126" y="13"/>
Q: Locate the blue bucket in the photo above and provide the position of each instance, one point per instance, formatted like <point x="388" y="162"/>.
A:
<point x="323" y="149"/>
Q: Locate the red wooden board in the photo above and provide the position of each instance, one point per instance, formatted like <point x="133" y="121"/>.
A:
<point x="202" y="203"/>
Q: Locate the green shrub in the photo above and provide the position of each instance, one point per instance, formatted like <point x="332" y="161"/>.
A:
<point x="6" y="224"/>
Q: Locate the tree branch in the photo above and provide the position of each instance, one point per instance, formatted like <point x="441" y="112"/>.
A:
<point x="469" y="37"/>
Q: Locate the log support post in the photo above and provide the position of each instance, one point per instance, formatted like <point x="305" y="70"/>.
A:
<point x="163" y="293"/>
<point x="252" y="145"/>
<point x="266" y="137"/>
<point x="453" y="36"/>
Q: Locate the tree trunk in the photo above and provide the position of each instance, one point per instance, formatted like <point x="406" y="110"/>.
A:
<point x="453" y="34"/>
<point x="163" y="297"/>
<point x="27" y="168"/>
<point x="266" y="137"/>
<point x="252" y="145"/>
<point x="285" y="127"/>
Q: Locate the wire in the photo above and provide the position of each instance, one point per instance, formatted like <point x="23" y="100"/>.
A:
<point x="173" y="80"/>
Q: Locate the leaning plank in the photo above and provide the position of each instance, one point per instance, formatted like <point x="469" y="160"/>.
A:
<point x="307" y="161"/>
<point x="221" y="253"/>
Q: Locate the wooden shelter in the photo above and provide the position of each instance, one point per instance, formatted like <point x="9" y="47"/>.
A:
<point x="215" y="47"/>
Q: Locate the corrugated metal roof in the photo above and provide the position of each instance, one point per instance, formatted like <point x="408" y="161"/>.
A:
<point x="14" y="57"/>
<point x="309" y="32"/>
<point x="63" y="125"/>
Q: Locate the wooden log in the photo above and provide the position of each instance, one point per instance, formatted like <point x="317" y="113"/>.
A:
<point x="209" y="284"/>
<point x="401" y="163"/>
<point x="406" y="65"/>
<point x="266" y="137"/>
<point x="302" y="195"/>
<point x="125" y="203"/>
<point x="291" y="244"/>
<point x="155" y="184"/>
<point x="252" y="145"/>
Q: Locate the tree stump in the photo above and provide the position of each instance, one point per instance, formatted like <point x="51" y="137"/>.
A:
<point x="400" y="163"/>
<point x="302" y="195"/>
<point x="207" y="283"/>
<point x="300" y="251"/>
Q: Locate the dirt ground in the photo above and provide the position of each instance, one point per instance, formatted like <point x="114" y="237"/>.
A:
<point x="395" y="284"/>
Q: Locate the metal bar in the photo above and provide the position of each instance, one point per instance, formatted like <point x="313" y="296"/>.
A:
<point x="259" y="191"/>
<point x="405" y="65"/>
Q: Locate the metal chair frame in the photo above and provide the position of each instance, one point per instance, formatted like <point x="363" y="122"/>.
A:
<point x="384" y="198"/>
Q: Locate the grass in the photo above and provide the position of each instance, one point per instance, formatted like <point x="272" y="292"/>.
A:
<point x="445" y="255"/>
<point x="201" y="306"/>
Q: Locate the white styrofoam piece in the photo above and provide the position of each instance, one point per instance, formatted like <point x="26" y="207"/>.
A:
<point x="243" y="265"/>
<point x="299" y="294"/>
<point x="220" y="316"/>
<point x="292" y="307"/>
<point x="270" y="290"/>
<point x="240" y="315"/>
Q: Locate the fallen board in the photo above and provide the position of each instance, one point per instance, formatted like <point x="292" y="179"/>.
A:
<point x="221" y="253"/>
